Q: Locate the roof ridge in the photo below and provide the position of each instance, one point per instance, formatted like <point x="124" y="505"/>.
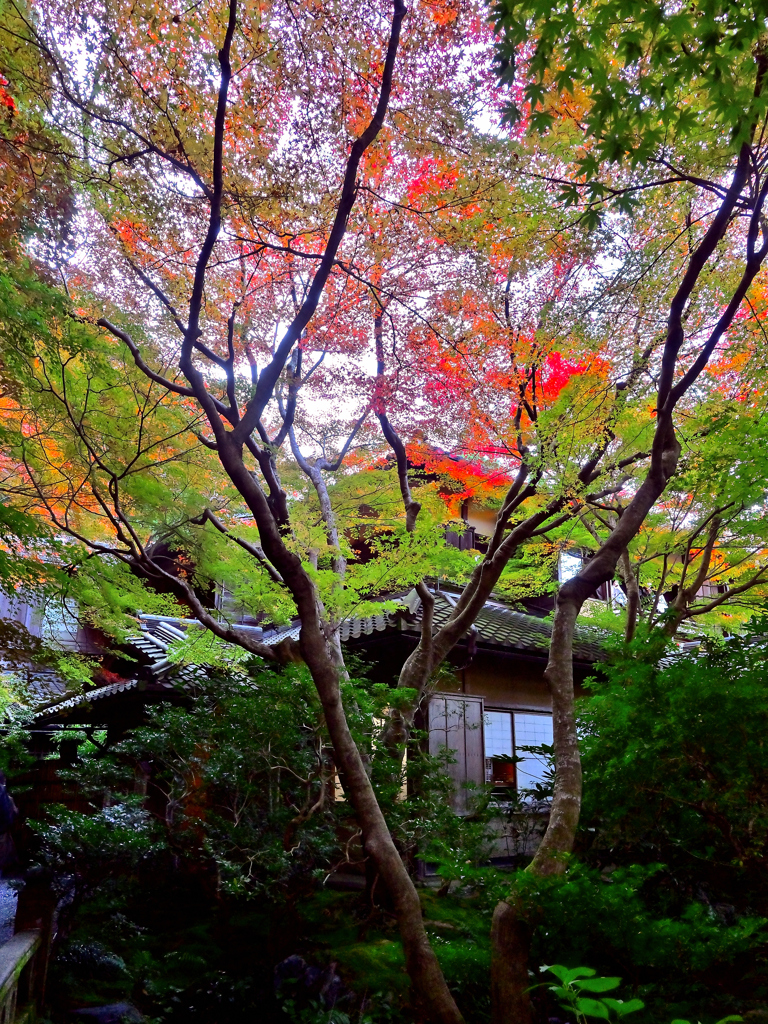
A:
<point x="497" y="623"/>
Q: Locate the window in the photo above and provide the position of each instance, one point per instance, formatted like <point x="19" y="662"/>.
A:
<point x="569" y="565"/>
<point x="506" y="734"/>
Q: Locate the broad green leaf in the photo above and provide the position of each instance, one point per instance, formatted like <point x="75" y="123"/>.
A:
<point x="622" y="1007"/>
<point x="593" y="1008"/>
<point x="598" y="984"/>
<point x="569" y="974"/>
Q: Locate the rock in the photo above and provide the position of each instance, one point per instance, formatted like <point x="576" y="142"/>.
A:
<point x="115" y="1013"/>
<point x="332" y="990"/>
<point x="290" y="969"/>
<point x="310" y="982"/>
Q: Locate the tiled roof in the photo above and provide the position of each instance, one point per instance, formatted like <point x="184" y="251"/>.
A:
<point x="153" y="641"/>
<point x="682" y="649"/>
<point x="353" y="629"/>
<point x="99" y="693"/>
<point x="274" y="637"/>
<point x="83" y="698"/>
<point x="500" y="626"/>
<point x="497" y="626"/>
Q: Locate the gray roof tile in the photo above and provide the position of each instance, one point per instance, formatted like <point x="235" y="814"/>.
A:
<point x="497" y="626"/>
<point x="500" y="626"/>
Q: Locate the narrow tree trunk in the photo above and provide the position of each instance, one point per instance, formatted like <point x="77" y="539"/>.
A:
<point x="673" y="620"/>
<point x="633" y="595"/>
<point x="550" y="858"/>
<point x="434" y="1003"/>
<point x="510" y="941"/>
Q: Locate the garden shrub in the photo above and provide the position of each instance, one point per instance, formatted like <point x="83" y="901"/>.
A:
<point x="675" y="761"/>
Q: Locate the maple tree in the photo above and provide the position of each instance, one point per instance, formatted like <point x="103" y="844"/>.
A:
<point x="191" y="160"/>
<point x="634" y="121"/>
<point x="700" y="557"/>
<point x="289" y="227"/>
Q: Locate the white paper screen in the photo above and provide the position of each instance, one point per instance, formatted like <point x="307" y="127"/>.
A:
<point x="531" y="731"/>
<point x="498" y="733"/>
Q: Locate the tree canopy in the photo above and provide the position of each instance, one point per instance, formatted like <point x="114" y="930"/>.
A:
<point x="285" y="286"/>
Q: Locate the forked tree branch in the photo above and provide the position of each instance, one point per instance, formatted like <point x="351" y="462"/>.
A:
<point x="270" y="374"/>
<point x="761" y="576"/>
<point x="253" y="549"/>
<point x="133" y="348"/>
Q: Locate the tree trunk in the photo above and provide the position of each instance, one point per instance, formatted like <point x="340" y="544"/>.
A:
<point x="687" y="595"/>
<point x="633" y="595"/>
<point x="551" y="856"/>
<point x="510" y="941"/>
<point x="431" y="996"/>
<point x="433" y="1001"/>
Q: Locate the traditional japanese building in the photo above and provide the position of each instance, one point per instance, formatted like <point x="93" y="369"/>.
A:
<point x="493" y="700"/>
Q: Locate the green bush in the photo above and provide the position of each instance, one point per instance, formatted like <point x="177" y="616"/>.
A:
<point x="689" y="964"/>
<point x="236" y="802"/>
<point x="676" y="767"/>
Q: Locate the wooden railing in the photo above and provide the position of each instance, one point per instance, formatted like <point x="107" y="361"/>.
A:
<point x="19" y="979"/>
